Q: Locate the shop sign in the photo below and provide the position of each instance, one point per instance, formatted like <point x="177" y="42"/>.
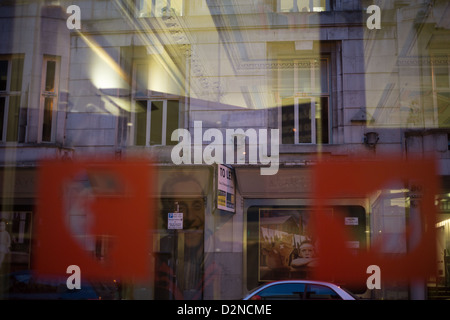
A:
<point x="226" y="189"/>
<point x="175" y="220"/>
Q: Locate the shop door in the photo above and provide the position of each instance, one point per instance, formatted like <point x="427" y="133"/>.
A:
<point x="179" y="256"/>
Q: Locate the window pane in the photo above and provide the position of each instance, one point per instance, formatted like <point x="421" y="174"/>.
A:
<point x="161" y="8"/>
<point x="13" y="118"/>
<point x="443" y="103"/>
<point x="3" y="74"/>
<point x="287" y="291"/>
<point x="287" y="83"/>
<point x="288" y="122"/>
<point x="47" y="126"/>
<point x="177" y="7"/>
<point x="156" y="123"/>
<point x="321" y="292"/>
<point x="304" y="80"/>
<point x="140" y="128"/>
<point x="304" y="121"/>
<point x="442" y="77"/>
<point x="16" y="74"/>
<point x="50" y="76"/>
<point x="324" y="76"/>
<point x="141" y="80"/>
<point x="172" y="120"/>
<point x="141" y="7"/>
<point x="322" y="120"/>
<point x="287" y="5"/>
<point x="2" y="115"/>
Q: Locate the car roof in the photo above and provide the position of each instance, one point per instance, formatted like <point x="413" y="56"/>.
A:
<point x="303" y="281"/>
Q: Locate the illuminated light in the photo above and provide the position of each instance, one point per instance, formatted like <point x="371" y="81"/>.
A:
<point x="104" y="67"/>
<point x="442" y="223"/>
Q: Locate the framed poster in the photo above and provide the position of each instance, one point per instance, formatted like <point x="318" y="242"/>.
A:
<point x="287" y="248"/>
<point x="281" y="243"/>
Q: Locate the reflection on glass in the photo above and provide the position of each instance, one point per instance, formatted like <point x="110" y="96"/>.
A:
<point x="172" y="120"/>
<point x="140" y="127"/>
<point x="47" y="123"/>
<point x="3" y="74"/>
<point x="16" y="74"/>
<point x="156" y="122"/>
<point x="13" y="118"/>
<point x="50" y="76"/>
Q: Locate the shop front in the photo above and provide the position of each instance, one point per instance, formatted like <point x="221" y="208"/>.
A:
<point x="179" y="237"/>
<point x="16" y="218"/>
<point x="280" y="240"/>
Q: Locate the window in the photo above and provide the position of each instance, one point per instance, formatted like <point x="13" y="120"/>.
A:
<point x="305" y="102"/>
<point x="303" y="5"/>
<point x="11" y="118"/>
<point x="287" y="291"/>
<point x="318" y="292"/>
<point x="155" y="120"/>
<point x="155" y="114"/>
<point x="159" y="8"/>
<point x="441" y="91"/>
<point x="49" y="98"/>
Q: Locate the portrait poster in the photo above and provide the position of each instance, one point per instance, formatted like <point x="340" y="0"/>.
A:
<point x="287" y="246"/>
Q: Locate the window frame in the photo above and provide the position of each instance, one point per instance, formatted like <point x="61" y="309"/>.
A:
<point x="7" y="94"/>
<point x="328" y="7"/>
<point x="313" y="94"/>
<point x="141" y="92"/>
<point x="164" y="138"/>
<point x="146" y="8"/>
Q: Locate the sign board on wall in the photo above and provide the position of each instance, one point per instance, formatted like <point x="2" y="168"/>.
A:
<point x="226" y="189"/>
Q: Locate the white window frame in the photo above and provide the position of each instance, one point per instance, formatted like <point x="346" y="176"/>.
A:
<point x="296" y="8"/>
<point x="49" y="95"/>
<point x="7" y="94"/>
<point x="164" y="138"/>
<point x="146" y="8"/>
<point x="312" y="95"/>
<point x="149" y="96"/>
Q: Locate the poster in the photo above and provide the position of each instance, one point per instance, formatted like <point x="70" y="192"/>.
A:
<point x="226" y="189"/>
<point x="287" y="248"/>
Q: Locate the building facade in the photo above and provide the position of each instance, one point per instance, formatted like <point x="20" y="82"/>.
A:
<point x="256" y="90"/>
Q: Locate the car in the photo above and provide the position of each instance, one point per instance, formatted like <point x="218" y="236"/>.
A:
<point x="26" y="285"/>
<point x="299" y="290"/>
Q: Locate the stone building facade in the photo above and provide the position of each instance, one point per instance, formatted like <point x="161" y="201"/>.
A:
<point x="335" y="86"/>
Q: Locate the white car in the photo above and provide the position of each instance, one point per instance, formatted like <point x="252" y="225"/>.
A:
<point x="299" y="290"/>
